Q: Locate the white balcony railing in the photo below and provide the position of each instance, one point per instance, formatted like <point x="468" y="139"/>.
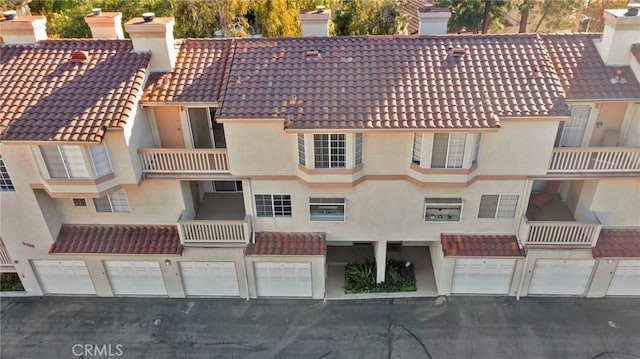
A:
<point x="215" y="232"/>
<point x="183" y="160"/>
<point x="595" y="159"/>
<point x="559" y="233"/>
<point x="5" y="260"/>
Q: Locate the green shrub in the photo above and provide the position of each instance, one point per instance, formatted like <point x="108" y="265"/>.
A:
<point x="361" y="278"/>
<point x="10" y="282"/>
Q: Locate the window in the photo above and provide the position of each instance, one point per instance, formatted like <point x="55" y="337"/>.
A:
<point x="227" y="186"/>
<point x="68" y="162"/>
<point x="476" y="148"/>
<point x="326" y="209"/>
<point x="442" y="209"/>
<point x="79" y="202"/>
<point x="113" y="202"/>
<point x="358" y="159"/>
<point x="273" y="205"/>
<point x="5" y="181"/>
<point x="498" y="206"/>
<point x="448" y="150"/>
<point x="417" y="149"/>
<point x="301" y="160"/>
<point x="206" y="132"/>
<point x="330" y="150"/>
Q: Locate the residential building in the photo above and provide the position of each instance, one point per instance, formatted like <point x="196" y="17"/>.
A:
<point x="497" y="164"/>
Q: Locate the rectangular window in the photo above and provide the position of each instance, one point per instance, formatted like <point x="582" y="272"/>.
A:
<point x="448" y="150"/>
<point x="442" y="209"/>
<point x="498" y="206"/>
<point x="330" y="150"/>
<point x="417" y="149"/>
<point x="273" y="205"/>
<point x="113" y="202"/>
<point x="64" y="161"/>
<point x="326" y="209"/>
<point x="5" y="181"/>
<point x="358" y="156"/>
<point x="79" y="202"/>
<point x="100" y="160"/>
<point x="476" y="148"/>
<point x="301" y="160"/>
<point x="227" y="186"/>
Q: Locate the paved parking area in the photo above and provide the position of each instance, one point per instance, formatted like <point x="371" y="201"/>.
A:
<point x="455" y="327"/>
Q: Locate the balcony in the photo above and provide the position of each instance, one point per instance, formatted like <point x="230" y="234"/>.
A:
<point x="219" y="220"/>
<point x="571" y="160"/>
<point x="181" y="161"/>
<point x="6" y="264"/>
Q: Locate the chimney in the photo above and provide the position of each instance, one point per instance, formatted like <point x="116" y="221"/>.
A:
<point x="621" y="30"/>
<point x="105" y="25"/>
<point x="433" y="20"/>
<point x="22" y="29"/>
<point x="155" y="34"/>
<point x="315" y="22"/>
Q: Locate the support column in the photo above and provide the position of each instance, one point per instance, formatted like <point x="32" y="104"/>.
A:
<point x="380" y="252"/>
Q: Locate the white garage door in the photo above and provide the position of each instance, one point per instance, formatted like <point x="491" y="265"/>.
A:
<point x="563" y="277"/>
<point x="626" y="279"/>
<point x="283" y="279"/>
<point x="210" y="278"/>
<point x="64" y="277"/>
<point x="482" y="276"/>
<point x="135" y="278"/>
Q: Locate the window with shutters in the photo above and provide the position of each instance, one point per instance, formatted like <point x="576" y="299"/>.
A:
<point x="70" y="162"/>
<point x="448" y="150"/>
<point x="273" y="205"/>
<point x="113" y="202"/>
<point x="498" y="206"/>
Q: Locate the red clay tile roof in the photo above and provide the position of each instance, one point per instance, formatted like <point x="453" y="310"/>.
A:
<point x="582" y="72"/>
<point x="47" y="98"/>
<point x="288" y="244"/>
<point x="388" y="82"/>
<point x="198" y="76"/>
<point x="463" y="245"/>
<point x="622" y="242"/>
<point x="117" y="240"/>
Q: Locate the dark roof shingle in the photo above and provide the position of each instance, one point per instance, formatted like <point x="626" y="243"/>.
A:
<point x="620" y="242"/>
<point x="117" y="239"/>
<point x="198" y="76"/>
<point x="288" y="244"/>
<point x="47" y="98"/>
<point x="466" y="245"/>
<point x="388" y="82"/>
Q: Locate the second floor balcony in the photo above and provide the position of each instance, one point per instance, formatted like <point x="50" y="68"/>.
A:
<point x="164" y="162"/>
<point x="585" y="160"/>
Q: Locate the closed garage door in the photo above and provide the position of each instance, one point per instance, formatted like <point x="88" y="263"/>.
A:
<point x="210" y="278"/>
<point x="562" y="277"/>
<point x="135" y="278"/>
<point x="626" y="279"/>
<point x="64" y="277"/>
<point x="482" y="276"/>
<point x="283" y="279"/>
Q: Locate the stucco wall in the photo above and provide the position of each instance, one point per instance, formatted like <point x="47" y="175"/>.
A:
<point x="615" y="202"/>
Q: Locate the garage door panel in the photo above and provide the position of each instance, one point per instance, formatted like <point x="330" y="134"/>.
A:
<point x="626" y="278"/>
<point x="283" y="279"/>
<point x="561" y="277"/>
<point x="210" y="278"/>
<point x="482" y="276"/>
<point x="64" y="277"/>
<point x="135" y="277"/>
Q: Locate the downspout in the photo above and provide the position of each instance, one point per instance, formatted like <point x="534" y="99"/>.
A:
<point x="524" y="270"/>
<point x="246" y="275"/>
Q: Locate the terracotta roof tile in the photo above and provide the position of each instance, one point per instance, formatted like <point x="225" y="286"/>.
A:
<point x="622" y="242"/>
<point x="387" y="82"/>
<point x="198" y="76"/>
<point x="46" y="97"/>
<point x="288" y="244"/>
<point x="582" y="72"/>
<point x="117" y="240"/>
<point x="463" y="245"/>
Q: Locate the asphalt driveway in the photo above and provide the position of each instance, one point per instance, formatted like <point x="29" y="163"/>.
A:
<point x="455" y="327"/>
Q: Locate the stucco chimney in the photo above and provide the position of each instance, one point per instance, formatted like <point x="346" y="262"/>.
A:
<point x="105" y="25"/>
<point x="433" y="20"/>
<point x="22" y="29"/>
<point x="155" y="34"/>
<point x="315" y="22"/>
<point x="621" y="30"/>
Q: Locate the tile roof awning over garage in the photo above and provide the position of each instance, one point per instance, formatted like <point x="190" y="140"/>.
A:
<point x="618" y="242"/>
<point x="120" y="239"/>
<point x="288" y="244"/>
<point x="466" y="245"/>
<point x="50" y="95"/>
